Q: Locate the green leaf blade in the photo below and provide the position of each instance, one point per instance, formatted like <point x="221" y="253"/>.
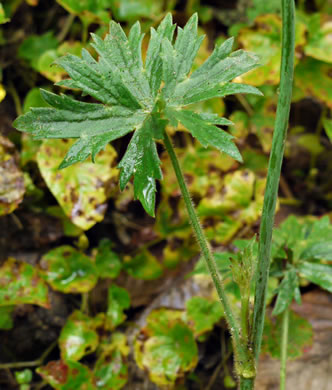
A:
<point x="108" y="263"/>
<point x="78" y="337"/>
<point x="286" y="291"/>
<point x="205" y="132"/>
<point x="67" y="375"/>
<point x="141" y="161"/>
<point x="153" y="62"/>
<point x="20" y="283"/>
<point x="94" y="124"/>
<point x="118" y="301"/>
<point x="69" y="271"/>
<point x="96" y="80"/>
<point x="117" y="52"/>
<point x="213" y="77"/>
<point x="219" y="53"/>
<point x="186" y="45"/>
<point x="221" y="90"/>
<point x="82" y="190"/>
<point x="168" y="350"/>
<point x="319" y="274"/>
<point x="318" y="250"/>
<point x="178" y="59"/>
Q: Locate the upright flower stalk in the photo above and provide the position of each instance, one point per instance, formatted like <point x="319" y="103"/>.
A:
<point x="274" y="169"/>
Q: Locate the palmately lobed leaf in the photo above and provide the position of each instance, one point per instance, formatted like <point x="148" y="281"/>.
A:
<point x="202" y="127"/>
<point x="137" y="96"/>
<point x="153" y="61"/>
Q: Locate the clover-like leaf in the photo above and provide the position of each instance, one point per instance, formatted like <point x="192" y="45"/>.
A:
<point x="67" y="375"/>
<point x="143" y="266"/>
<point x="167" y="349"/>
<point x="319" y="44"/>
<point x="32" y="48"/>
<point x="319" y="87"/>
<point x="68" y="270"/>
<point x="111" y="371"/>
<point x="108" y="263"/>
<point x="46" y="64"/>
<point x="118" y="301"/>
<point x="202" y="314"/>
<point x="306" y="238"/>
<point x="79" y="337"/>
<point x="318" y="250"/>
<point x="139" y="96"/>
<point x="222" y="260"/>
<point x="21" y="283"/>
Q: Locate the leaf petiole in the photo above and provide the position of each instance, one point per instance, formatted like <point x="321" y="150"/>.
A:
<point x="284" y="346"/>
<point x="241" y="352"/>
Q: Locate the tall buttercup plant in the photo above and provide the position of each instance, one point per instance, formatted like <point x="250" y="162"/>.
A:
<point x="147" y="97"/>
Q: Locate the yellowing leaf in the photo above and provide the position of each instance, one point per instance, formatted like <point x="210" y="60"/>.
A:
<point x="167" y="349"/>
<point x="319" y="86"/>
<point x="108" y="263"/>
<point x="2" y="93"/>
<point x="118" y="301"/>
<point x="202" y="314"/>
<point x="11" y="178"/>
<point x="3" y="18"/>
<point x="79" y="337"/>
<point x="68" y="270"/>
<point x="265" y="39"/>
<point x="83" y="189"/>
<point x="299" y="336"/>
<point x="21" y="283"/>
<point x="319" y="44"/>
<point x="111" y="370"/>
<point x="67" y="375"/>
<point x="143" y="266"/>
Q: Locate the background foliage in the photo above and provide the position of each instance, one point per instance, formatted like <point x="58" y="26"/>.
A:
<point x="87" y="277"/>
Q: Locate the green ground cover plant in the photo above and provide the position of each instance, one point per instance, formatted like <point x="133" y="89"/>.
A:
<point x="162" y="101"/>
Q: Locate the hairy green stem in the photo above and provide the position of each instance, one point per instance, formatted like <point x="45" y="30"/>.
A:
<point x="284" y="345"/>
<point x="275" y="162"/>
<point x="207" y="253"/>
